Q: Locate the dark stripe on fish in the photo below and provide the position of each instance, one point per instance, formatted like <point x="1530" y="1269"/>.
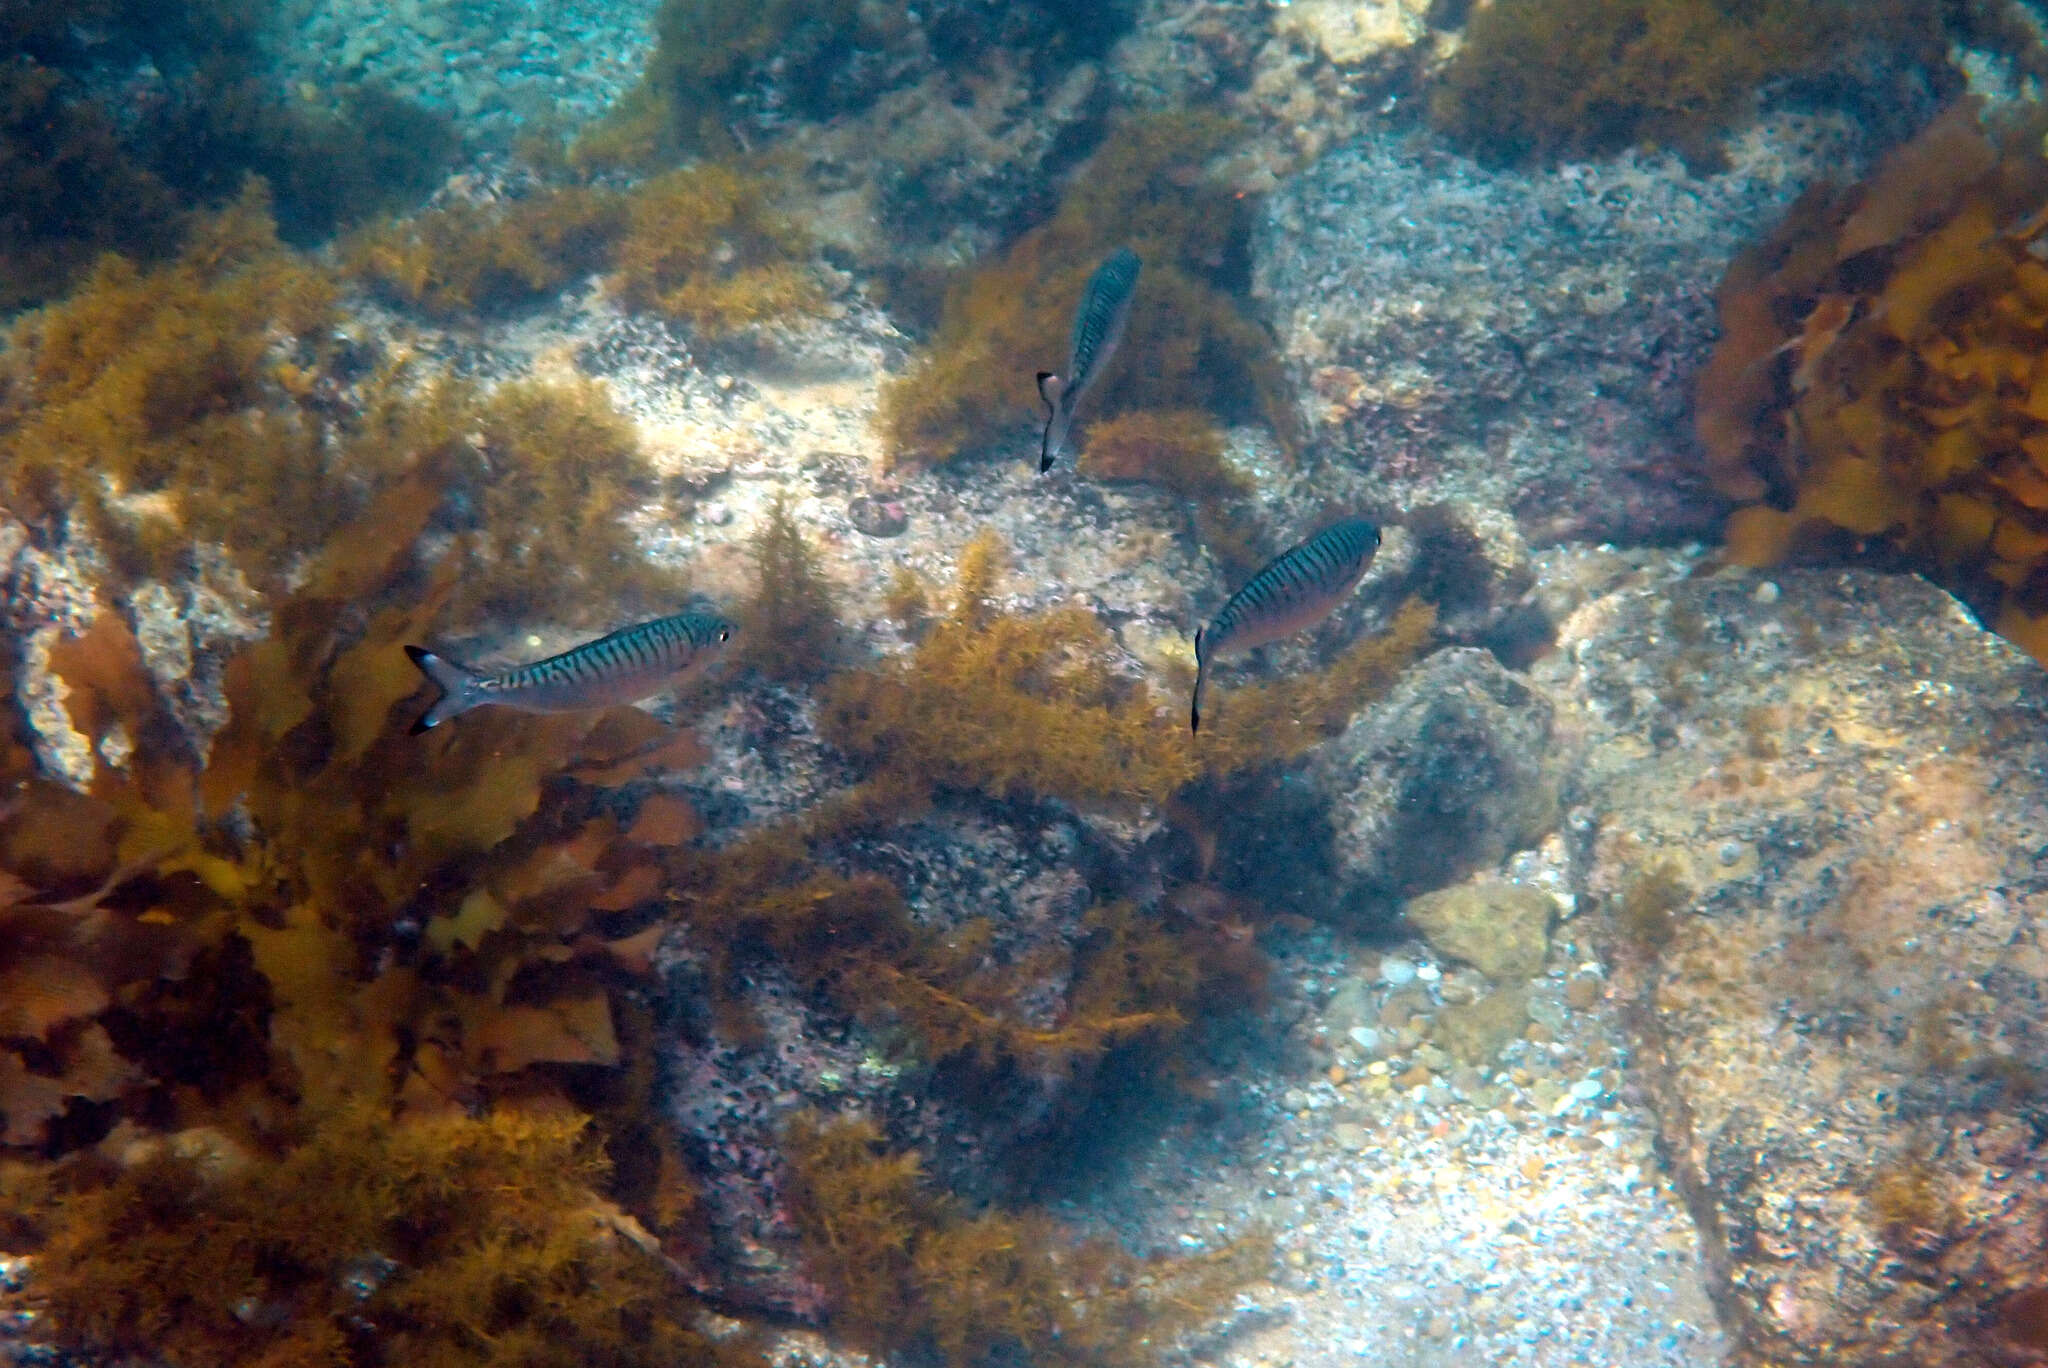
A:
<point x="1098" y="327"/>
<point x="623" y="667"/>
<point x="1295" y="589"/>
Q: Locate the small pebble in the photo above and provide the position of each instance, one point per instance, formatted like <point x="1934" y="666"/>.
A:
<point x="1731" y="851"/>
<point x="877" y="517"/>
<point x="1583" y="991"/>
<point x="1416" y="1077"/>
<point x="1364" y="1037"/>
<point x="1766" y="592"/>
<point x="1428" y="973"/>
<point x="1586" y="1089"/>
<point x="1337" y="1075"/>
<point x="1396" y="971"/>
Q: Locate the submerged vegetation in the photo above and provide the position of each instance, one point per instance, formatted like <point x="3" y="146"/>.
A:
<point x="463" y="259"/>
<point x="444" y="1240"/>
<point x="1041" y="705"/>
<point x="83" y="172"/>
<point x="703" y="246"/>
<point x="789" y="627"/>
<point x="908" y="1270"/>
<point x="1180" y="451"/>
<point x="704" y="54"/>
<point x="164" y="404"/>
<point x="1876" y="390"/>
<point x="1543" y="80"/>
<point x="321" y="1043"/>
<point x="1190" y="345"/>
<point x="214" y="399"/>
<point x="339" y="966"/>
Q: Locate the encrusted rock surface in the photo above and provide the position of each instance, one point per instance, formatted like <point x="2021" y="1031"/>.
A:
<point x="1521" y="339"/>
<point x="1451" y="773"/>
<point x="1810" y="817"/>
<point x="1500" y="929"/>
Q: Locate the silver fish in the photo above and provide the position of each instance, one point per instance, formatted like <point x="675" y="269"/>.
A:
<point x="1098" y="327"/>
<point x="1295" y="589"/>
<point x="624" y="667"/>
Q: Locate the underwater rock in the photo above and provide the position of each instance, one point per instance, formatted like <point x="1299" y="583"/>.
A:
<point x="1349" y="33"/>
<point x="1500" y="929"/>
<point x="736" y="1079"/>
<point x="1806" y="829"/>
<point x="1475" y="1032"/>
<point x="1451" y="774"/>
<point x="1519" y="339"/>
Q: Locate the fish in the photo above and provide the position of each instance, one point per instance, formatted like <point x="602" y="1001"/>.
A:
<point x="1098" y="327"/>
<point x="624" y="667"/>
<point x="1295" y="589"/>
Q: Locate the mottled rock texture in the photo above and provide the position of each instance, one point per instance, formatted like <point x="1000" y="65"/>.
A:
<point x="1451" y="773"/>
<point x="1811" y="822"/>
<point x="1500" y="929"/>
<point x="1524" y="340"/>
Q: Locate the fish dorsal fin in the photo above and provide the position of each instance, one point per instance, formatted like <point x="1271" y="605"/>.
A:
<point x="1048" y="388"/>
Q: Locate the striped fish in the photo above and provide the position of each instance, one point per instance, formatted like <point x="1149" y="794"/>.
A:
<point x="624" y="667"/>
<point x="1098" y="327"/>
<point x="1295" y="589"/>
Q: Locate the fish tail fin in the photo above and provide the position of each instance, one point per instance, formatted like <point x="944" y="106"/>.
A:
<point x="1048" y="446"/>
<point x="1201" y="677"/>
<point x="457" y="684"/>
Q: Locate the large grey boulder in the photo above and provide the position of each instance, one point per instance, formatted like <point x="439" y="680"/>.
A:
<point x="1449" y="774"/>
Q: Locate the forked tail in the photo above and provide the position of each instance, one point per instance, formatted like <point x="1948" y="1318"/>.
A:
<point x="1049" y="391"/>
<point x="457" y="684"/>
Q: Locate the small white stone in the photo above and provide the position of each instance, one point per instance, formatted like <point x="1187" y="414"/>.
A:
<point x="1766" y="592"/>
<point x="1428" y="973"/>
<point x="1396" y="971"/>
